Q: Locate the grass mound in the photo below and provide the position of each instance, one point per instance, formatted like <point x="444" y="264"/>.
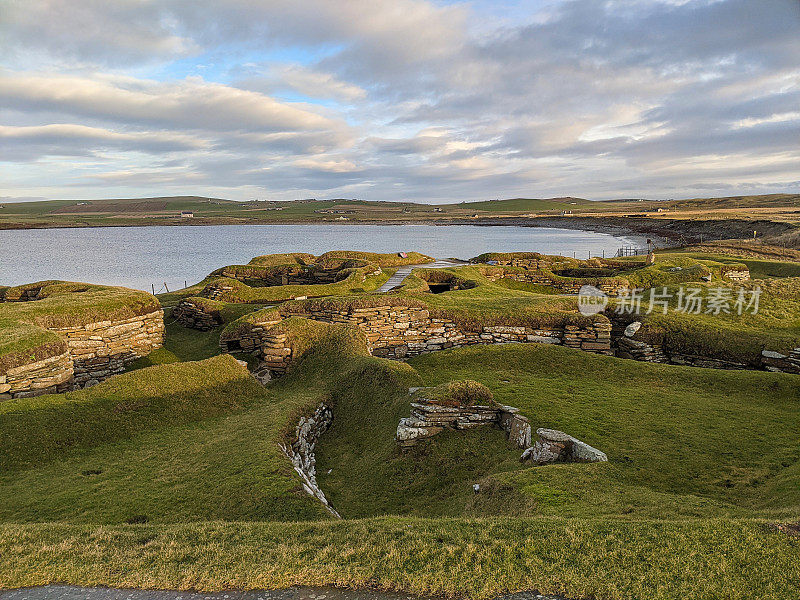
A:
<point x="28" y="311"/>
<point x="391" y="259"/>
<point x="464" y="392"/>
<point x="34" y="431"/>
<point x="299" y="258"/>
<point x="672" y="434"/>
<point x="680" y="509"/>
<point x="729" y="335"/>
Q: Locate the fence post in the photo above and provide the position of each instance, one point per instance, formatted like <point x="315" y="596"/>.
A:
<point x="165" y="287"/>
<point x="153" y="287"/>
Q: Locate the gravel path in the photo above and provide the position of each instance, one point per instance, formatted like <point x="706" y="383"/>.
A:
<point x="67" y="592"/>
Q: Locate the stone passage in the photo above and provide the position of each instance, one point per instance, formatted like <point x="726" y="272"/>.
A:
<point x="401" y="331"/>
<point x="300" y="452"/>
<point x="557" y="446"/>
<point x="429" y="418"/>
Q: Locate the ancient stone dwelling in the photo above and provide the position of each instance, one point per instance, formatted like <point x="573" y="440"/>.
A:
<point x="83" y="353"/>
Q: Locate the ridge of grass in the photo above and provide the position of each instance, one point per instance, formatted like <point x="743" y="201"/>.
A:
<point x="37" y="430"/>
<point x="675" y="450"/>
<point x="577" y="558"/>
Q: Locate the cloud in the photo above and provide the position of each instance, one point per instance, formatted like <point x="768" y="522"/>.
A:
<point x="32" y="142"/>
<point x="308" y="82"/>
<point x="188" y="104"/>
<point x="403" y="98"/>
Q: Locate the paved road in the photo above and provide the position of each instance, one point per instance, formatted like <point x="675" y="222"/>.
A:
<point x="404" y="272"/>
<point x="67" y="592"/>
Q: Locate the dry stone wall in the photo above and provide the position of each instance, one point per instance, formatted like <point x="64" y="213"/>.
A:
<point x="275" y="354"/>
<point x="189" y="314"/>
<point x="94" y="352"/>
<point x="99" y="350"/>
<point x="402" y="331"/>
<point x="736" y="274"/>
<point x="300" y="451"/>
<point x="429" y="419"/>
<point x="47" y="376"/>
<point x="627" y="347"/>
<point x="251" y="339"/>
<point x="784" y="363"/>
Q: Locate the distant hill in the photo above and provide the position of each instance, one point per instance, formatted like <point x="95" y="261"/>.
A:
<point x="167" y="210"/>
<point x="523" y="204"/>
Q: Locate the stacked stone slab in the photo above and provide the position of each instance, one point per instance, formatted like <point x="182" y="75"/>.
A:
<point x="276" y="353"/>
<point x="47" y="376"/>
<point x="736" y="274"/>
<point x="556" y="446"/>
<point x="566" y="285"/>
<point x="429" y="419"/>
<point x="785" y="363"/>
<point x="250" y="339"/>
<point x="95" y="351"/>
<point x="627" y="346"/>
<point x="402" y="331"/>
<point x="189" y="314"/>
<point x="300" y="451"/>
<point x="99" y="350"/>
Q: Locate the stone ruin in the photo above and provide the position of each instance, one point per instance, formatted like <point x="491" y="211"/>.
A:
<point x="557" y="446"/>
<point x="429" y="418"/>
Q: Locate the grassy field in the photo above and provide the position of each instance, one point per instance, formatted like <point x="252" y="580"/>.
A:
<point x="582" y="558"/>
<point x="167" y="210"/>
<point x="686" y="420"/>
<point x="171" y="476"/>
<point x="681" y="509"/>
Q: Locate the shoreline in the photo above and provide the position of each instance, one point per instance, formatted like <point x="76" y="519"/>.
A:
<point x="664" y="232"/>
<point x="625" y="234"/>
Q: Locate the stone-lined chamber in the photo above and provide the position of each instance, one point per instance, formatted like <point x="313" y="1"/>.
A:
<point x="633" y="345"/>
<point x="554" y="446"/>
<point x="461" y="405"/>
<point x="399" y="330"/>
<point x="69" y="335"/>
<point x="428" y="418"/>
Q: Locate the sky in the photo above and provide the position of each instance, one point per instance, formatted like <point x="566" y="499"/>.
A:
<point x="419" y="100"/>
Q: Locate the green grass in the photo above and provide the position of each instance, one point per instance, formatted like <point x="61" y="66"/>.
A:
<point x="189" y="441"/>
<point x="355" y="283"/>
<point x="730" y="336"/>
<point x="579" y="558"/>
<point x="700" y="460"/>
<point x="38" y="430"/>
<point x="181" y="345"/>
<point x="673" y="436"/>
<point x="759" y="268"/>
